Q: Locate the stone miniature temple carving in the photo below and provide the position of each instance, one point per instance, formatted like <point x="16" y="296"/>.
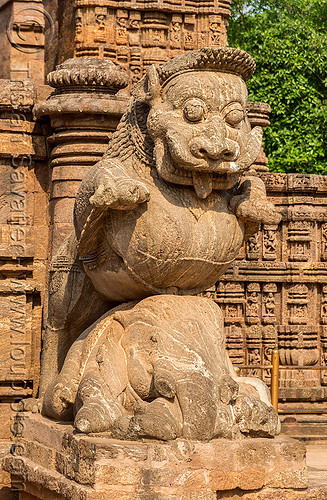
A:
<point x="157" y="220"/>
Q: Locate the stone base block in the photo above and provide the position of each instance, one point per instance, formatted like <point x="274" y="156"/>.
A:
<point x="51" y="461"/>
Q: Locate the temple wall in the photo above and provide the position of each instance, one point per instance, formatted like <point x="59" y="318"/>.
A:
<point x="275" y="293"/>
<point x="24" y="236"/>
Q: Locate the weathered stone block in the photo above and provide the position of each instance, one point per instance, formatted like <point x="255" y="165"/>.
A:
<point x="93" y="467"/>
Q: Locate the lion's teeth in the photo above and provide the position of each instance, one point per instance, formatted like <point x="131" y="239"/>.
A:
<point x="202" y="184"/>
<point x="234" y="167"/>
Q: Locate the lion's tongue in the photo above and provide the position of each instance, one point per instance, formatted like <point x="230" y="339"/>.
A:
<point x="202" y="184"/>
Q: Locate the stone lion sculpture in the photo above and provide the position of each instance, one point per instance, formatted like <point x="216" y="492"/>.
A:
<point x="158" y="220"/>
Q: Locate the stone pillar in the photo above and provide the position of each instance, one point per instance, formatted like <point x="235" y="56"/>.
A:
<point x="84" y="111"/>
<point x="258" y="113"/>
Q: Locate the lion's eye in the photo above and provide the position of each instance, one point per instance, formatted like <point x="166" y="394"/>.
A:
<point x="194" y="110"/>
<point x="234" y="117"/>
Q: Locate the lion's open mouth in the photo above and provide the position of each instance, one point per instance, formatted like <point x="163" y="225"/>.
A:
<point x="202" y="181"/>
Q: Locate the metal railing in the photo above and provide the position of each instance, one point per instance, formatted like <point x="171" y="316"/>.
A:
<point x="275" y="368"/>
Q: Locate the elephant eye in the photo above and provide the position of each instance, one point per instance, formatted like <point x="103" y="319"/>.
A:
<point x="234" y="116"/>
<point x="194" y="110"/>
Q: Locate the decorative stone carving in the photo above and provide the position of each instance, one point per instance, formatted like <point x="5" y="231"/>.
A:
<point x="235" y="344"/>
<point x="323" y="355"/>
<point x="324" y="242"/>
<point x="230" y="297"/>
<point x="258" y="113"/>
<point x="300" y="238"/>
<point x="298" y="347"/>
<point x="269" y="303"/>
<point x="24" y="232"/>
<point x="164" y="213"/>
<point x="269" y="342"/>
<point x="138" y="380"/>
<point x="270" y="242"/>
<point x="323" y="311"/>
<point x="101" y="24"/>
<point x="254" y="351"/>
<point x="298" y="301"/>
<point x="253" y="247"/>
<point x="252" y="303"/>
<point x="298" y="182"/>
<point x="23" y="245"/>
<point x="299" y="260"/>
<point x="159" y="30"/>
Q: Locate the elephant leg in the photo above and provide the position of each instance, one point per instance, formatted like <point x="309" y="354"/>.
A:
<point x="255" y="418"/>
<point x="60" y="394"/>
<point x="96" y="409"/>
<point x="198" y="399"/>
<point x="205" y="404"/>
<point x="160" y="419"/>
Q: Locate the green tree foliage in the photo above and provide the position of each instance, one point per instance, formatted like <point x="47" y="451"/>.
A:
<point x="288" y="40"/>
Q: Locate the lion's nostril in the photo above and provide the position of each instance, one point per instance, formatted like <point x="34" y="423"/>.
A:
<point x="228" y="155"/>
<point x="203" y="152"/>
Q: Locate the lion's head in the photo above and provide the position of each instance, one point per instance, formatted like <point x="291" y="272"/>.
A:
<point x="197" y="119"/>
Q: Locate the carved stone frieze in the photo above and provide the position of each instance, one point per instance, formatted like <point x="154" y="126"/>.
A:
<point x="253" y="247"/>
<point x="24" y="236"/>
<point x="230" y="296"/>
<point x="300" y="240"/>
<point x="323" y="355"/>
<point x="298" y="304"/>
<point x="324" y="242"/>
<point x="270" y="242"/>
<point x="254" y="349"/>
<point x="288" y="264"/>
<point x="138" y="34"/>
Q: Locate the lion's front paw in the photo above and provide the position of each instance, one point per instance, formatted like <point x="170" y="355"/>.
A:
<point x="251" y="204"/>
<point x="260" y="211"/>
<point x="125" y="194"/>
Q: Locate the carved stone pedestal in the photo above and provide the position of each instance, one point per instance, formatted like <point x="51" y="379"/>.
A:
<point x="50" y="461"/>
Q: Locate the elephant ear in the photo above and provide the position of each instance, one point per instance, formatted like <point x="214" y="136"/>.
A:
<point x="148" y="89"/>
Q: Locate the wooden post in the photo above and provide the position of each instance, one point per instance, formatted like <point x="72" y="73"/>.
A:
<point x="274" y="378"/>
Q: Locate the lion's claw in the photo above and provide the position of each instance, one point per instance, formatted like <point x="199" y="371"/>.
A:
<point x="126" y="194"/>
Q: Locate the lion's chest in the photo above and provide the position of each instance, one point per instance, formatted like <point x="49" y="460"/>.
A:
<point x="166" y="244"/>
